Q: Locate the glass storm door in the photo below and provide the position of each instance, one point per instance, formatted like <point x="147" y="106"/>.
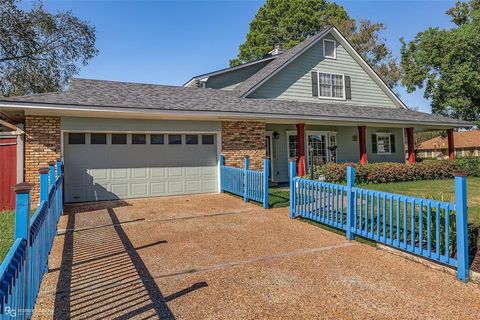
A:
<point x="317" y="150"/>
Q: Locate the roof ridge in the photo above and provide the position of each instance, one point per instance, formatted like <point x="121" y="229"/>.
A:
<point x="278" y="63"/>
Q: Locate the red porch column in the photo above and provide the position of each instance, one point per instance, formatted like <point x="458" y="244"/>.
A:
<point x="362" y="139"/>
<point x="301" y="148"/>
<point x="411" y="146"/>
<point x="451" y="144"/>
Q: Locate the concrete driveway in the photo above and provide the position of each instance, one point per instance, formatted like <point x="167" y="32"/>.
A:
<point x="215" y="257"/>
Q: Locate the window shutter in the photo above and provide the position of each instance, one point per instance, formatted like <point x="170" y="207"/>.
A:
<point x="392" y="143"/>
<point x="374" y="143"/>
<point x="314" y="84"/>
<point x="348" y="88"/>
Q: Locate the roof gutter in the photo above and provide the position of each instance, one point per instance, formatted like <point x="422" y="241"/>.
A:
<point x="232" y="115"/>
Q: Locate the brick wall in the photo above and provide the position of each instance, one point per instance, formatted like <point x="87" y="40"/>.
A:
<point x="241" y="138"/>
<point x="42" y="145"/>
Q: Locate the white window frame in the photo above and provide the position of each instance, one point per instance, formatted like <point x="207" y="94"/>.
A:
<point x="290" y="133"/>
<point x="334" y="49"/>
<point x="331" y="91"/>
<point x="384" y="134"/>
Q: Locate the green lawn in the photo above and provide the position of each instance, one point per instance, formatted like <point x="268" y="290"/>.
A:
<point x="278" y="197"/>
<point x="7" y="225"/>
<point x="436" y="189"/>
<point x="439" y="190"/>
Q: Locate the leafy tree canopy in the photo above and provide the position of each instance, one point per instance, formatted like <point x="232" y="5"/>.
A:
<point x="40" y="51"/>
<point x="447" y="64"/>
<point x="289" y="22"/>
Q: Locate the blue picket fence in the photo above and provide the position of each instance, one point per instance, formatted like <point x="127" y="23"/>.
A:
<point x="432" y="229"/>
<point x="27" y="260"/>
<point x="249" y="184"/>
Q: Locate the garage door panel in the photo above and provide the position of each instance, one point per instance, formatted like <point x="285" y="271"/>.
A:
<point x="209" y="185"/>
<point x="140" y="173"/>
<point x="193" y="186"/>
<point x="107" y="172"/>
<point x="192" y="171"/>
<point x="120" y="190"/>
<point x="158" y="188"/>
<point x="157" y="172"/>
<point x="140" y="190"/>
<point x="119" y="174"/>
<point x="175" y="172"/>
<point x="175" y="187"/>
<point x="98" y="174"/>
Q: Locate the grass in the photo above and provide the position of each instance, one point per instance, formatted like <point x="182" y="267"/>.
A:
<point x="278" y="197"/>
<point x="438" y="189"/>
<point x="7" y="225"/>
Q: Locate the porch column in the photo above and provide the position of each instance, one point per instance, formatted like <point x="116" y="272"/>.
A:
<point x="301" y="148"/>
<point x="451" y="144"/>
<point x="363" y="144"/>
<point x="411" y="146"/>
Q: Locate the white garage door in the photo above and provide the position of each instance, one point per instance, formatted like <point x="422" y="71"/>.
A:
<point x="108" y="166"/>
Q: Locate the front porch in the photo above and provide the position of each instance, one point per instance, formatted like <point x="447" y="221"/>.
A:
<point x="322" y="143"/>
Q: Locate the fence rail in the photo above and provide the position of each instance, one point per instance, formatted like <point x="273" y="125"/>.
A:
<point x="250" y="184"/>
<point x="22" y="270"/>
<point x="432" y="229"/>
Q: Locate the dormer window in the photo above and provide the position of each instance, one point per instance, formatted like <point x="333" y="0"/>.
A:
<point x="330" y="49"/>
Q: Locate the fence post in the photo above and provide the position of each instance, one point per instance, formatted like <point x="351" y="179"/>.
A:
<point x="43" y="184"/>
<point x="246" y="161"/>
<point x="292" y="168"/>
<point x="462" y="224"/>
<point x="221" y="161"/>
<point x="22" y="230"/>
<point x="265" y="182"/>
<point x="51" y="166"/>
<point x="350" y="201"/>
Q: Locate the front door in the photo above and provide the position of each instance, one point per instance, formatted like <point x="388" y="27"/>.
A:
<point x="317" y="152"/>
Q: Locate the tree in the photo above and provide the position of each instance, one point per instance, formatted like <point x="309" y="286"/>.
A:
<point x="447" y="64"/>
<point x="289" y="22"/>
<point x="40" y="51"/>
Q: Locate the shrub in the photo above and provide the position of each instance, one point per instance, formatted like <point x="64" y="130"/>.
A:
<point x="384" y="172"/>
<point x="469" y="164"/>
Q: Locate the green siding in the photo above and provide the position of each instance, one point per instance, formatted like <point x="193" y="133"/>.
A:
<point x="347" y="150"/>
<point x="294" y="81"/>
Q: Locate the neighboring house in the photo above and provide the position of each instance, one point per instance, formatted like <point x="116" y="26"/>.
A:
<point x="126" y="140"/>
<point x="467" y="144"/>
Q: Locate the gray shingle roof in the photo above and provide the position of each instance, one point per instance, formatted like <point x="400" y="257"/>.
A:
<point x="123" y="95"/>
<point x="278" y="63"/>
<point x="229" y="69"/>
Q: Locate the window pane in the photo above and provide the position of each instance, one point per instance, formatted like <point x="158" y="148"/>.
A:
<point x="325" y="88"/>
<point x="139" y="138"/>
<point x="191" y="139"/>
<point x="337" y="83"/>
<point x="98" y="138"/>
<point x="208" y="139"/>
<point x="119" y="138"/>
<point x="329" y="49"/>
<point x="174" y="139"/>
<point x="383" y="143"/>
<point x="292" y="146"/>
<point x="76" y="138"/>
<point x="156" y="139"/>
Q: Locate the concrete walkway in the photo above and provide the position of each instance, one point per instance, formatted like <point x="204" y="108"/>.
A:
<point x="215" y="257"/>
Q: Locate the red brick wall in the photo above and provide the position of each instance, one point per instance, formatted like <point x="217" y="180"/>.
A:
<point x="42" y="145"/>
<point x="241" y="138"/>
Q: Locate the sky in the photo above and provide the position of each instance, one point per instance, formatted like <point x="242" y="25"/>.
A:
<point x="168" y="42"/>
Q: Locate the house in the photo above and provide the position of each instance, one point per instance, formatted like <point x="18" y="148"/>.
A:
<point x="467" y="144"/>
<point x="317" y="102"/>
